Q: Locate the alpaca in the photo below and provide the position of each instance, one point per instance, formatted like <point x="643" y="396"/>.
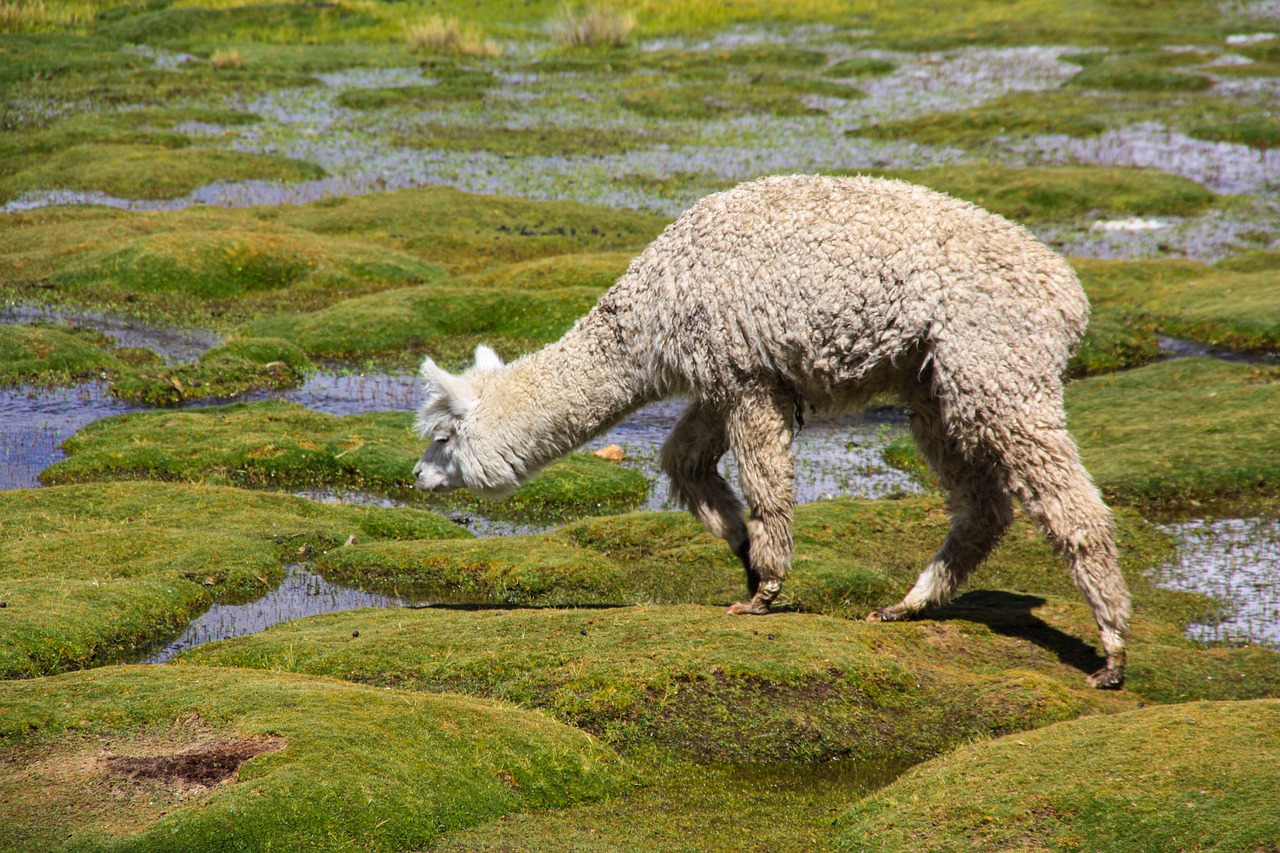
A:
<point x="815" y="291"/>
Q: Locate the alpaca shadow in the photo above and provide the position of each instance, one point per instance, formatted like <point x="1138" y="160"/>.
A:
<point x="1010" y="614"/>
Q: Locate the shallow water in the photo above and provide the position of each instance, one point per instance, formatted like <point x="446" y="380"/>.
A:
<point x="1237" y="561"/>
<point x="301" y="593"/>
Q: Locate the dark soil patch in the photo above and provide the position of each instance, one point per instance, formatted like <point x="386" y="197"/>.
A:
<point x="205" y="765"/>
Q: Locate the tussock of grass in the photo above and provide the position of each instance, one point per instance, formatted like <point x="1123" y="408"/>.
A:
<point x="592" y="26"/>
<point x="224" y="371"/>
<point x="690" y="680"/>
<point x="1237" y="309"/>
<point x="59" y="355"/>
<point x="450" y="37"/>
<point x="1180" y="431"/>
<point x="210" y="264"/>
<point x="1173" y="434"/>
<point x="97" y="574"/>
<point x="284" y="445"/>
<point x="1065" y="193"/>
<point x="445" y="322"/>
<point x="148" y="172"/>
<point x="352" y="767"/>
<point x="1190" y="777"/>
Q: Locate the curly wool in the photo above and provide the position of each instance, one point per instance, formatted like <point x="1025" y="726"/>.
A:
<point x="819" y="291"/>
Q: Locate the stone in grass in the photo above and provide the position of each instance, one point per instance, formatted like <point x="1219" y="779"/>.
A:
<point x="101" y="573"/>
<point x="1203" y="776"/>
<point x="283" y="445"/>
<point x="227" y="370"/>
<point x="200" y="759"/>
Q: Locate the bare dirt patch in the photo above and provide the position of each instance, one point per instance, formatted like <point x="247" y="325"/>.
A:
<point x="205" y="765"/>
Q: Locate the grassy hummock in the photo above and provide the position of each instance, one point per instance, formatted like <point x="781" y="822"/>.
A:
<point x="224" y="371"/>
<point x="1234" y="304"/>
<point x="214" y="266"/>
<point x="198" y="759"/>
<point x="47" y="354"/>
<point x="100" y="573"/>
<point x="282" y="445"/>
<point x="1011" y="653"/>
<point x="1170" y="435"/>
<point x="1191" y="777"/>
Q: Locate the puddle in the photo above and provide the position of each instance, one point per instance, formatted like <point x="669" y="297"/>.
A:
<point x="170" y="343"/>
<point x="1237" y="561"/>
<point x="1171" y="348"/>
<point x="302" y="593"/>
<point x="35" y="421"/>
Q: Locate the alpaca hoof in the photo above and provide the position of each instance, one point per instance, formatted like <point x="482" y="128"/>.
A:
<point x="748" y="608"/>
<point x="1107" y="678"/>
<point x="886" y="614"/>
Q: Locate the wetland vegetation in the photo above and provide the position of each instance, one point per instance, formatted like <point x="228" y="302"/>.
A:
<point x="221" y="219"/>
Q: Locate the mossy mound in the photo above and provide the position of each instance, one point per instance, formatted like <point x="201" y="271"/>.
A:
<point x="1237" y="309"/>
<point x="148" y="171"/>
<point x="98" y="574"/>
<point x="1170" y="434"/>
<point x="199" y="759"/>
<point x="1143" y="71"/>
<point x="1011" y="654"/>
<point x="514" y="307"/>
<point x="1067" y="193"/>
<point x="1262" y="133"/>
<point x="214" y="265"/>
<point x="1192" y="777"/>
<point x="284" y="445"/>
<point x="224" y="371"/>
<point x="694" y="681"/>
<point x="49" y="354"/>
<point x="1180" y="431"/>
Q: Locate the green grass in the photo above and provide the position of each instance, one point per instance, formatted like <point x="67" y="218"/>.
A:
<point x="224" y="371"/>
<point x="1180" y="431"/>
<point x="515" y="307"/>
<point x="1143" y="72"/>
<point x="346" y="767"/>
<point x="42" y="354"/>
<point x="219" y="265"/>
<point x="1066" y="193"/>
<point x="674" y="674"/>
<point x="99" y="573"/>
<point x="693" y="681"/>
<point x="135" y="171"/>
<point x="1234" y="308"/>
<point x="1192" y="777"/>
<point x="1172" y="435"/>
<point x="1261" y="132"/>
<point x="286" y="446"/>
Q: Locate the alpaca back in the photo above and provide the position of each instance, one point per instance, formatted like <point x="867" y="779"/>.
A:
<point x="829" y="285"/>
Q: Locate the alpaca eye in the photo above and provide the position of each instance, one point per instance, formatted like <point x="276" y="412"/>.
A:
<point x="443" y="439"/>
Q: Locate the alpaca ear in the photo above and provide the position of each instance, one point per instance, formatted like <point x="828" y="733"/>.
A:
<point x="487" y="359"/>
<point x="454" y="391"/>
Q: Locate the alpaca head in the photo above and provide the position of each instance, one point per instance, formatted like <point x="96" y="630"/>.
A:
<point x="463" y="451"/>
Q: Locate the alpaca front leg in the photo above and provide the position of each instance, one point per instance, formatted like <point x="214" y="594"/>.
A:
<point x="760" y="434"/>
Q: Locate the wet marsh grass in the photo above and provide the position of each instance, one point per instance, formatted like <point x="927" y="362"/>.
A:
<point x="1136" y="781"/>
<point x="380" y="769"/>
<point x="394" y="276"/>
<point x="281" y="445"/>
<point x="216" y="266"/>
<point x="97" y="574"/>
<point x="1172" y="435"/>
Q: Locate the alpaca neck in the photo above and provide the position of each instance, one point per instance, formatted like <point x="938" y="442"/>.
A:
<point x="554" y="400"/>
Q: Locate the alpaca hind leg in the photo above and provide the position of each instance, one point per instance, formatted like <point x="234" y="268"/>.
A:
<point x="760" y="435"/>
<point x="690" y="457"/>
<point x="1045" y="473"/>
<point x="981" y="511"/>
